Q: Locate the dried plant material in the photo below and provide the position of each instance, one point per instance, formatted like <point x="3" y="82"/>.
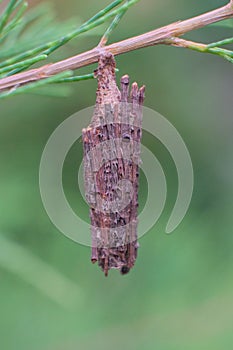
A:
<point x="111" y="168"/>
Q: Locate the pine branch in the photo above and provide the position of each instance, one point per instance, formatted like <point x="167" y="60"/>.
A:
<point x="168" y="35"/>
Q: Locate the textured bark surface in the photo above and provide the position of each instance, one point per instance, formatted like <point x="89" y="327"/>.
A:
<point x="111" y="168"/>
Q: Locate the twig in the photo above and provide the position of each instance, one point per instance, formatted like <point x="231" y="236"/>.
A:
<point x="221" y="42"/>
<point x="227" y="54"/>
<point x="157" y="36"/>
<point x="112" y="26"/>
<point x="58" y="78"/>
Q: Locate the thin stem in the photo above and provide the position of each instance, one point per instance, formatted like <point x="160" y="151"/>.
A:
<point x="221" y="42"/>
<point x="112" y="26"/>
<point x="76" y="78"/>
<point x="17" y="70"/>
<point x="17" y="4"/>
<point x="227" y="54"/>
<point x="154" y="37"/>
<point x="26" y="63"/>
<point x="15" y="21"/>
<point x="103" y="12"/>
<point x="7" y="13"/>
<point x="54" y="79"/>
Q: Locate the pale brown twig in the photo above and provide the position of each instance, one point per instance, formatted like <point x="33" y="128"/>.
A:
<point x="157" y="36"/>
<point x="178" y="42"/>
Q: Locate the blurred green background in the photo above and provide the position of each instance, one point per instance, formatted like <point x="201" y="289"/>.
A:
<point x="180" y="293"/>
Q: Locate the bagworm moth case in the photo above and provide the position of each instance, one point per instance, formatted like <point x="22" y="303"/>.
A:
<point x="111" y="168"/>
